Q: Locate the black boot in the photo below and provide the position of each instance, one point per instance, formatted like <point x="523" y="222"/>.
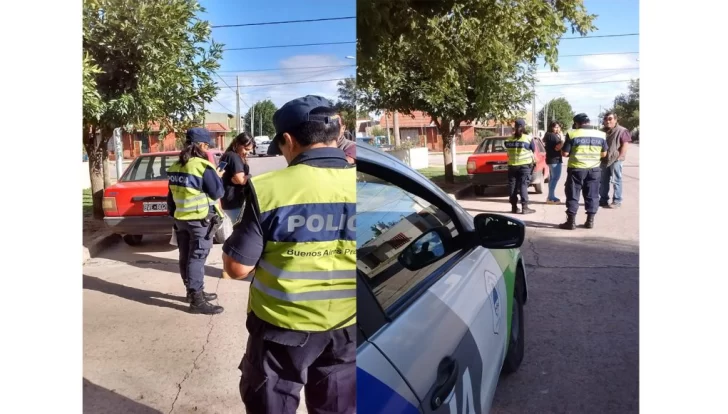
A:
<point x="515" y="209"/>
<point x="570" y="224"/>
<point x="589" y="221"/>
<point x="208" y="296"/>
<point x="526" y="210"/>
<point x="200" y="305"/>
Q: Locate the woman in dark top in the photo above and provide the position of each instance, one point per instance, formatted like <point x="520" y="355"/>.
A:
<point x="237" y="172"/>
<point x="553" y="142"/>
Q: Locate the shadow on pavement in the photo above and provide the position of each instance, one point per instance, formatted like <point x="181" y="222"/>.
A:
<point x="138" y="259"/>
<point x="146" y="297"/>
<point x="97" y="399"/>
<point x="581" y="329"/>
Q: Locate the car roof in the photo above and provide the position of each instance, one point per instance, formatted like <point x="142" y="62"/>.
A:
<point x="149" y="154"/>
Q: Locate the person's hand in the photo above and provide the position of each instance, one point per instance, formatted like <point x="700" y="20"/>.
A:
<point x="220" y="173"/>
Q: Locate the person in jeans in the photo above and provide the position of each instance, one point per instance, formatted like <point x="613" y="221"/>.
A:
<point x="618" y="139"/>
<point x="553" y="142"/>
<point x="237" y="172"/>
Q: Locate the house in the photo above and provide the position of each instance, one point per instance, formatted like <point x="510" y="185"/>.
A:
<point x="140" y="142"/>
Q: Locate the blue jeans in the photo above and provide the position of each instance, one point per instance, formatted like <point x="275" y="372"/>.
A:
<point x="554" y="176"/>
<point x="611" y="174"/>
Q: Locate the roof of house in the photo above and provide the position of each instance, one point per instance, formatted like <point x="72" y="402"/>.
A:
<point x="216" y="127"/>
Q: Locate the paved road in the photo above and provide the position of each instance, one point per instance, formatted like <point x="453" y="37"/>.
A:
<point x="582" y="317"/>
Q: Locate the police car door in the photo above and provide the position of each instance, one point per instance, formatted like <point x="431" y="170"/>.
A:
<point x="442" y="327"/>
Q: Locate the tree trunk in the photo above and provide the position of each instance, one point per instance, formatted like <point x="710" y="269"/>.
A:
<point x="446" y="133"/>
<point x="95" y="168"/>
<point x="397" y="140"/>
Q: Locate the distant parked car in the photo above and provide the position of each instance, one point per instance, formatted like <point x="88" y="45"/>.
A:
<point x="137" y="204"/>
<point x="488" y="166"/>
<point x="261" y="145"/>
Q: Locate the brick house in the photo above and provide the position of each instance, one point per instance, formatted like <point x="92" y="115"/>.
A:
<point x="140" y="142"/>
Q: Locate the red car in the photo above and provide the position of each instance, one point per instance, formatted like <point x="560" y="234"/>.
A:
<point x="488" y="166"/>
<point x="137" y="204"/>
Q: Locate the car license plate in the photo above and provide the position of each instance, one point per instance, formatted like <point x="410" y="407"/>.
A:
<point x="501" y="167"/>
<point x="155" y="207"/>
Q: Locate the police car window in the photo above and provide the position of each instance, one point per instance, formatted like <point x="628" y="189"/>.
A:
<point x="391" y="222"/>
<point x="150" y="168"/>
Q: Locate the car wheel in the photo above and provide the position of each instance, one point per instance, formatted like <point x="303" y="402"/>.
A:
<point x="133" y="239"/>
<point x="516" y="342"/>
<point x="539" y="184"/>
<point x="478" y="190"/>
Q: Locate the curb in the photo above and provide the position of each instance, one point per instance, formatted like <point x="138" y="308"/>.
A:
<point x="461" y="193"/>
<point x="99" y="244"/>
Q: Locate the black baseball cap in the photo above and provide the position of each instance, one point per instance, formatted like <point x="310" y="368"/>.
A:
<point x="520" y="123"/>
<point x="581" y="118"/>
<point x="296" y="112"/>
<point x="200" y="135"/>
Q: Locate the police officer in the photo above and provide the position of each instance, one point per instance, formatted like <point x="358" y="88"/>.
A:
<point x="585" y="147"/>
<point x="297" y="234"/>
<point x="520" y="165"/>
<point x="194" y="188"/>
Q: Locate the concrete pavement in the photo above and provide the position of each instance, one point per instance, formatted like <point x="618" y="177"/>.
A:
<point x="582" y="317"/>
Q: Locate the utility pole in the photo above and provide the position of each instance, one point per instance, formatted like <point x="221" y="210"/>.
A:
<point x="534" y="115"/>
<point x="386" y="122"/>
<point x="545" y="117"/>
<point x="237" y="104"/>
<point x="260" y="124"/>
<point x="119" y="150"/>
<point x="252" y="119"/>
<point x="397" y="142"/>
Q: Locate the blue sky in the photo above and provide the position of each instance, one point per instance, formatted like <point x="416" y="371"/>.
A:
<point x="614" y="17"/>
<point x="221" y="12"/>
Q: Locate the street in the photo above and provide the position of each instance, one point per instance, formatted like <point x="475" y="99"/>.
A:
<point x="144" y="353"/>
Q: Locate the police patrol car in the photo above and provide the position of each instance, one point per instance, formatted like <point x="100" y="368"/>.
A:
<point x="440" y="295"/>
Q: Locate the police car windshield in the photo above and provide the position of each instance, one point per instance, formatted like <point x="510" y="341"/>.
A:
<point x="491" y="145"/>
<point x="149" y="168"/>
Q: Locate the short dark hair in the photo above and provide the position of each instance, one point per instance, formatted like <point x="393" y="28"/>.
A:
<point x="553" y="124"/>
<point x="614" y="114"/>
<point x="317" y="132"/>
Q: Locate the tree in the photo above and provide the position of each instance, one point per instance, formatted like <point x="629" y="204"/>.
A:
<point x="458" y="60"/>
<point x="143" y="62"/>
<point x="627" y="106"/>
<point x="559" y="110"/>
<point x="346" y="105"/>
<point x="263" y="111"/>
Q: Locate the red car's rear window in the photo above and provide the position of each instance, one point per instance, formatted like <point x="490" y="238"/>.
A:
<point x="149" y="168"/>
<point x="492" y="145"/>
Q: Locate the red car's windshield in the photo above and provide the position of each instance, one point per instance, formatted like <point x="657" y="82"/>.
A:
<point x="490" y="146"/>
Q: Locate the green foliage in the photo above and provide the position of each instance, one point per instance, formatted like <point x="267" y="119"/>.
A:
<point x="627" y="107"/>
<point x="346" y="105"/>
<point x="481" y="134"/>
<point x="264" y="111"/>
<point x="143" y="61"/>
<point x="378" y="131"/>
<point x="559" y="109"/>
<point x="458" y="60"/>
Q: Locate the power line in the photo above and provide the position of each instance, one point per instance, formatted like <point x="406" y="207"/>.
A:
<point x="585" y="83"/>
<point x="283" y="46"/>
<point x="223" y="106"/>
<point x="597" y="36"/>
<point x="232" y="89"/>
<point x="292" y="83"/>
<point x="587" y="70"/>
<point x="284" y="69"/>
<point x="283" y="22"/>
<point x="602" y="54"/>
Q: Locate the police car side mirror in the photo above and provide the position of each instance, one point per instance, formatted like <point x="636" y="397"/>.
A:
<point x="495" y="231"/>
<point x="426" y="249"/>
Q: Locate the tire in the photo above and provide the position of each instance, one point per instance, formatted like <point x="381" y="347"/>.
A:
<point x="516" y="342"/>
<point x="538" y="186"/>
<point x="133" y="239"/>
<point x="478" y="190"/>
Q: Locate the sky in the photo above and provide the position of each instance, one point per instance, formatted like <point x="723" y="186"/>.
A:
<point x="614" y="17"/>
<point x="253" y="66"/>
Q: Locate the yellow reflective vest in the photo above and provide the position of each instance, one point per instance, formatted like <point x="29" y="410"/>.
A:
<point x="306" y="277"/>
<point x="185" y="183"/>
<point x="586" y="148"/>
<point x="518" y="154"/>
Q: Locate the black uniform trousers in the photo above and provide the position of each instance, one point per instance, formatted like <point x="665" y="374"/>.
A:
<point x="279" y="362"/>
<point x="586" y="181"/>
<point x="519" y="178"/>
<point x="193" y="252"/>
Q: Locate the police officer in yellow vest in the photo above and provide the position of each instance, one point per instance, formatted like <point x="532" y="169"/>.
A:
<point x="297" y="235"/>
<point x="194" y="188"/>
<point x="520" y="150"/>
<point x="585" y="147"/>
